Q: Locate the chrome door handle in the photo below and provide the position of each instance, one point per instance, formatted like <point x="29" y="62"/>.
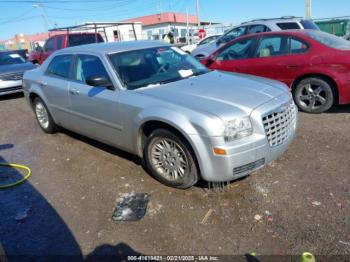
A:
<point x="43" y="84"/>
<point x="74" y="91"/>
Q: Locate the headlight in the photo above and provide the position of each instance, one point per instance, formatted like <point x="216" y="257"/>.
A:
<point x="238" y="128"/>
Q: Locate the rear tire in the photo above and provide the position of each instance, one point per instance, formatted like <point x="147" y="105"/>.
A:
<point x="314" y="95"/>
<point x="170" y="160"/>
<point x="43" y="116"/>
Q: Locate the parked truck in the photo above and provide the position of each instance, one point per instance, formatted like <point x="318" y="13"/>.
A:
<point x="61" y="41"/>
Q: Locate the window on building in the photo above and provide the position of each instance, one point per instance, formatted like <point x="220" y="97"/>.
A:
<point x="131" y="34"/>
<point x="149" y="35"/>
<point x="161" y="32"/>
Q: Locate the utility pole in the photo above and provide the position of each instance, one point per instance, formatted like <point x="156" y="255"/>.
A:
<point x="197" y="8"/>
<point x="43" y="15"/>
<point x="187" y="28"/>
<point x="308" y="8"/>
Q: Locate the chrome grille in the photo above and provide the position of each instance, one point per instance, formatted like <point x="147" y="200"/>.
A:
<point x="12" y="77"/>
<point x="279" y="125"/>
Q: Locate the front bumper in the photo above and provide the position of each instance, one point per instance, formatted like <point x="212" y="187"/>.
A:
<point x="246" y="155"/>
<point x="10" y="87"/>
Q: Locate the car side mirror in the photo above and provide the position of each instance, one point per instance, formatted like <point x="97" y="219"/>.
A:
<point x="99" y="81"/>
<point x="211" y="59"/>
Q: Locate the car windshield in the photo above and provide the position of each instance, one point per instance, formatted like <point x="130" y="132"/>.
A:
<point x="11" y="59"/>
<point x="155" y="66"/>
<point x="330" y="40"/>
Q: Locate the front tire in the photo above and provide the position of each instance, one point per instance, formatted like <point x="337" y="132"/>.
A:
<point x="170" y="160"/>
<point x="43" y="116"/>
<point x="314" y="95"/>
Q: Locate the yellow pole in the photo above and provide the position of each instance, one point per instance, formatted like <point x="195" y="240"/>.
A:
<point x="308" y="8"/>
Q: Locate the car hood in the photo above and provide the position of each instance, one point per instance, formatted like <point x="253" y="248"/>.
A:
<point x="8" y="69"/>
<point x="219" y="93"/>
<point x="206" y="49"/>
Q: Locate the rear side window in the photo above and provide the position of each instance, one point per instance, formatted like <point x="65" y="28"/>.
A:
<point x="307" y="24"/>
<point x="83" y="39"/>
<point x="89" y="66"/>
<point x="272" y="46"/>
<point x="60" y="66"/>
<point x="297" y="46"/>
<point x="287" y="26"/>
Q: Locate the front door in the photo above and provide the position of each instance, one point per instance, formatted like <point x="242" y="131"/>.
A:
<point x="94" y="109"/>
<point x="236" y="56"/>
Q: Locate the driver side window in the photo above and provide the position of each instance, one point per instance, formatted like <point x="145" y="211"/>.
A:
<point x="234" y="33"/>
<point x="49" y="45"/>
<point x="89" y="66"/>
<point x="237" y="50"/>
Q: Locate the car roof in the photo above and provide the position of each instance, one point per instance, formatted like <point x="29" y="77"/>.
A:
<point x="114" y="47"/>
<point x="300" y="32"/>
<point x="285" y="19"/>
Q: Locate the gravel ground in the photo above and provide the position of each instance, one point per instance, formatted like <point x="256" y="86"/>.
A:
<point x="301" y="202"/>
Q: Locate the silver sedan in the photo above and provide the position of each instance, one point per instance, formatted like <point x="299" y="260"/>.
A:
<point x="155" y="101"/>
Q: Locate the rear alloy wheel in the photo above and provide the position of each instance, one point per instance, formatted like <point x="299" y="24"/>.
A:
<point x="170" y="160"/>
<point x="314" y="95"/>
<point x="43" y="116"/>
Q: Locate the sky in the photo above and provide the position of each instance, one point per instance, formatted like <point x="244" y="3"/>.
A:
<point x="26" y="16"/>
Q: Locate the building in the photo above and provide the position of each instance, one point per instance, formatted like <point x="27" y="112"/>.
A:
<point x="155" y="26"/>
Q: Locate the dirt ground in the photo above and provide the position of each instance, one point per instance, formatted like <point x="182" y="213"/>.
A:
<point x="301" y="202"/>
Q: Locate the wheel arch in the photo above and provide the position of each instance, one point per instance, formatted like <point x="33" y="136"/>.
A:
<point x="148" y="126"/>
<point x="328" y="78"/>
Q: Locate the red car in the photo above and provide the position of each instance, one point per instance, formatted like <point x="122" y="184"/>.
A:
<point x="58" y="42"/>
<point x="314" y="64"/>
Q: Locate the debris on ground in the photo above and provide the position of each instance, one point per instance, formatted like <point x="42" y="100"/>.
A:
<point x="316" y="203"/>
<point x="344" y="243"/>
<point x="206" y="217"/>
<point x="257" y="217"/>
<point x="339" y="205"/>
<point x="131" y="207"/>
<point x="154" y="209"/>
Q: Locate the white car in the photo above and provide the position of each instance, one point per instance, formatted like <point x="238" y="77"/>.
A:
<point x="206" y="40"/>
<point x="253" y="27"/>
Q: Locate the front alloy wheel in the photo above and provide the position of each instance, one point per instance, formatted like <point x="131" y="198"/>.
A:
<point x="170" y="159"/>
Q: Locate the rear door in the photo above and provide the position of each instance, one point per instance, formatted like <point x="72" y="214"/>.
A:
<point x="94" y="109"/>
<point x="279" y="57"/>
<point x="236" y="56"/>
<point x="54" y="84"/>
